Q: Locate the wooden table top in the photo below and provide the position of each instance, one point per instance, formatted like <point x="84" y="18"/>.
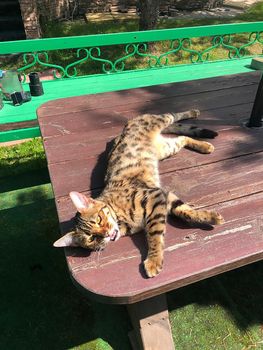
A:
<point x="75" y="133"/>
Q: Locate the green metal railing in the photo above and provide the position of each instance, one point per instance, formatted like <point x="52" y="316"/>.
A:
<point x="118" y="52"/>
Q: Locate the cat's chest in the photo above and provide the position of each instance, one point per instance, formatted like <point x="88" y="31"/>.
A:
<point x="129" y="213"/>
<point x="127" y="227"/>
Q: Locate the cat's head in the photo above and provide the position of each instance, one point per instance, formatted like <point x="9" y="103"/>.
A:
<point x="95" y="224"/>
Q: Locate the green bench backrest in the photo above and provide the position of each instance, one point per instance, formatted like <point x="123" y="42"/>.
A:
<point x="111" y="53"/>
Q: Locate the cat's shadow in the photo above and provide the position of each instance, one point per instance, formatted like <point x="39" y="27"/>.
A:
<point x="99" y="171"/>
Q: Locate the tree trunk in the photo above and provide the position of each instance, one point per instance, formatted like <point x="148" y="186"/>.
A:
<point x="149" y="12"/>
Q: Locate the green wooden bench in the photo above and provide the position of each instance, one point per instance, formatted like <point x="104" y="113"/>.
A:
<point x="123" y="61"/>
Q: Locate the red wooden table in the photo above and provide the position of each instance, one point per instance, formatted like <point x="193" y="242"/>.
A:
<point x="75" y="132"/>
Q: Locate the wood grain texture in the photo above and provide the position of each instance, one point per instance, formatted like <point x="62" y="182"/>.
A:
<point x="19" y="125"/>
<point x="191" y="254"/>
<point x="151" y="93"/>
<point x="184" y="172"/>
<point x="118" y="110"/>
<point x="151" y="317"/>
<point x="75" y="133"/>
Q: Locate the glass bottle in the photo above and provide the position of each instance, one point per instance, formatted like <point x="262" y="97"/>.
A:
<point x="9" y="83"/>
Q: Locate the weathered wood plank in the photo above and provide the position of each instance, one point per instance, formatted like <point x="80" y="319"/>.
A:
<point x="218" y="182"/>
<point x="151" y="317"/>
<point x="96" y="118"/>
<point x="198" y="183"/>
<point x="19" y="125"/>
<point x="120" y="98"/>
<point x="190" y="255"/>
<point x="88" y="143"/>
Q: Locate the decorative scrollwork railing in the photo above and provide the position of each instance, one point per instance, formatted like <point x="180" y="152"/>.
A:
<point x="118" y="58"/>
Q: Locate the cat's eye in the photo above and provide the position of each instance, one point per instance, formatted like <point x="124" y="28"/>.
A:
<point x="98" y="220"/>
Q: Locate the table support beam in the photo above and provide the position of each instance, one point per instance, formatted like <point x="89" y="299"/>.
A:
<point x="152" y="329"/>
<point x="257" y="111"/>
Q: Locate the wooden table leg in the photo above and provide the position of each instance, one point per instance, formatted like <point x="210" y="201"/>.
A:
<point x="152" y="329"/>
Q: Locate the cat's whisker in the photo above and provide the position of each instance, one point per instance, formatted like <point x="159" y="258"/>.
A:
<point x="98" y="254"/>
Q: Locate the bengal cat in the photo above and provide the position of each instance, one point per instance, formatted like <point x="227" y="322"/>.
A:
<point x="133" y="198"/>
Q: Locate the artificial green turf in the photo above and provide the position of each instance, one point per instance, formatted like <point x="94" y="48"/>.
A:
<point x="40" y="308"/>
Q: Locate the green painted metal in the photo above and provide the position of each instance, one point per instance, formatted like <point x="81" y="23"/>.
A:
<point x="125" y="61"/>
<point x="127" y="49"/>
<point x="127" y="38"/>
<point x="21" y="134"/>
<point x="63" y="88"/>
<point x="127" y="56"/>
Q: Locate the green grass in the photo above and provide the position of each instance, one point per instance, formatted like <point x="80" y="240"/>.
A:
<point x="254" y="13"/>
<point x="22" y="158"/>
<point x="40" y="308"/>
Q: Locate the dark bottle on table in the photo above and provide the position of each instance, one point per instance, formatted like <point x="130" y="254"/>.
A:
<point x="36" y="88"/>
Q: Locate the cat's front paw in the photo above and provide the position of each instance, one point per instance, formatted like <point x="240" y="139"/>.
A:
<point x="153" y="266"/>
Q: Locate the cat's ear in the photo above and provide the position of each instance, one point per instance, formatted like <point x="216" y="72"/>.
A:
<point x="81" y="201"/>
<point x="66" y="241"/>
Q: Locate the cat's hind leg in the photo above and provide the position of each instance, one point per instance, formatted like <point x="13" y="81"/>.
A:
<point x="185" y="212"/>
<point x="156" y="123"/>
<point x="192" y="113"/>
<point x="167" y="147"/>
<point x="168" y="120"/>
<point x="186" y="129"/>
<point x="190" y="130"/>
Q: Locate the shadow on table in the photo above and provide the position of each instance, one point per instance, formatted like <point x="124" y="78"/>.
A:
<point x="40" y="307"/>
